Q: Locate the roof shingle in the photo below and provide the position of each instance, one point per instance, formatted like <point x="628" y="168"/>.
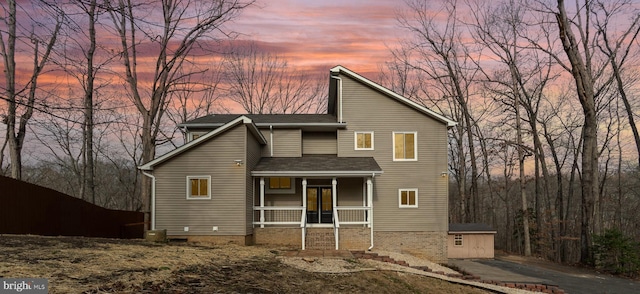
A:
<point x="317" y="163"/>
<point x="470" y="227"/>
<point x="264" y="118"/>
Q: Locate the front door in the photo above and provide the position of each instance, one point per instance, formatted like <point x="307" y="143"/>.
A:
<point x="319" y="205"/>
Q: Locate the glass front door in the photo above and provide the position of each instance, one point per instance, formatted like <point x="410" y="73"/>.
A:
<point x="319" y="205"/>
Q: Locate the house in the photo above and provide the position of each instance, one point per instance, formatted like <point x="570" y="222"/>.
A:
<point x="471" y="240"/>
<point x="370" y="173"/>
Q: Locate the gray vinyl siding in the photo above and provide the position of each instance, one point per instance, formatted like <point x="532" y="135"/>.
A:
<point x="286" y="143"/>
<point x="350" y="191"/>
<point x="225" y="209"/>
<point x="319" y="143"/>
<point x="253" y="157"/>
<point x="368" y="110"/>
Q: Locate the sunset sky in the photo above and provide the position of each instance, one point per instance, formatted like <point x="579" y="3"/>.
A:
<point x="321" y="34"/>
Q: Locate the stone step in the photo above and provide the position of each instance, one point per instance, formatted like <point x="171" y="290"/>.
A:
<point x="320" y="239"/>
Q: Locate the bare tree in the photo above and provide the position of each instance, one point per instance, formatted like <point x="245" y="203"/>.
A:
<point x="264" y="83"/>
<point x="182" y="32"/>
<point x="81" y="57"/>
<point x="443" y="58"/>
<point x="585" y="76"/>
<point x="20" y="94"/>
<point x="618" y="52"/>
<point x="197" y="99"/>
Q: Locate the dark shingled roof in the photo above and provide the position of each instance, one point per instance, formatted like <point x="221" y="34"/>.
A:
<point x="314" y="163"/>
<point x="471" y="227"/>
<point x="264" y="118"/>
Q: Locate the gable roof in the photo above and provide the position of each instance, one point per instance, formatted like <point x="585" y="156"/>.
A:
<point x="317" y="165"/>
<point x="343" y="70"/>
<point x="471" y="228"/>
<point x="238" y="121"/>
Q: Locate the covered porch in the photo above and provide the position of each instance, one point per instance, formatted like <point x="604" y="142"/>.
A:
<point x="315" y="192"/>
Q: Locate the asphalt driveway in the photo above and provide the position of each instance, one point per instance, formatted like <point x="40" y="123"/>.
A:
<point x="574" y="281"/>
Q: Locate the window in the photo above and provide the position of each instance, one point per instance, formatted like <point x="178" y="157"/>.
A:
<point x="279" y="183"/>
<point x="194" y="135"/>
<point x="405" y="146"/>
<point x="282" y="185"/>
<point x="363" y="140"/>
<point x="408" y="197"/>
<point x="198" y="187"/>
<point x="457" y="240"/>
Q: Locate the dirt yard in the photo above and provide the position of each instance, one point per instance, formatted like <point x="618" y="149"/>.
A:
<point x="86" y="265"/>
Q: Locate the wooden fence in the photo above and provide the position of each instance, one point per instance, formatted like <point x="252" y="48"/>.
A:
<point x="31" y="209"/>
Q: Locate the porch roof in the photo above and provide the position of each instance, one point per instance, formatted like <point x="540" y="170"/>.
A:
<point x="317" y="165"/>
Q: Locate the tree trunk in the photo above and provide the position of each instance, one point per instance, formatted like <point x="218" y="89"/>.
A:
<point x="585" y="91"/>
<point x="89" y="168"/>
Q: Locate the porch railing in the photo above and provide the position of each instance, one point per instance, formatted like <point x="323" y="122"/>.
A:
<point x="353" y="215"/>
<point x="279" y="215"/>
<point x="294" y="215"/>
<point x="336" y="227"/>
<point x="303" y="225"/>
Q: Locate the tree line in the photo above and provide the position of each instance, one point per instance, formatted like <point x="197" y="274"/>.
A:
<point x="99" y="86"/>
<point x="545" y="94"/>
<point x="546" y="148"/>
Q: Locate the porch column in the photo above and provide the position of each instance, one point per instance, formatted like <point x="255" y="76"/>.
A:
<point x="304" y="213"/>
<point x="369" y="201"/>
<point x="262" y="202"/>
<point x="336" y="222"/>
<point x="334" y="192"/>
<point x="304" y="194"/>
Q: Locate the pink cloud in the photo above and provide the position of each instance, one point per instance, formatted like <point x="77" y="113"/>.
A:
<point x="351" y="33"/>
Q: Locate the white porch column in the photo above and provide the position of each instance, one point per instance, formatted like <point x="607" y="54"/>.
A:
<point x="304" y="211"/>
<point x="334" y="195"/>
<point x="304" y="194"/>
<point x="334" y="192"/>
<point x="262" y="202"/>
<point x="370" y="205"/>
<point x="369" y="201"/>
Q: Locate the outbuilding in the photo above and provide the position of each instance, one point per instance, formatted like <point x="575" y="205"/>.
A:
<point x="472" y="240"/>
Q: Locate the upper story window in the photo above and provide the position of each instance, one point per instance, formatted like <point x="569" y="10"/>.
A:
<point x="405" y="146"/>
<point x="408" y="197"/>
<point x="282" y="185"/>
<point x="363" y="140"/>
<point x="198" y="187"/>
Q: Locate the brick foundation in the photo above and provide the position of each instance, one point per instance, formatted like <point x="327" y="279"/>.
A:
<point x="355" y="238"/>
<point x="428" y="245"/>
<point x="290" y="237"/>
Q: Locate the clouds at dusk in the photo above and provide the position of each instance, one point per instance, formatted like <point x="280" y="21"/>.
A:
<point x="315" y="34"/>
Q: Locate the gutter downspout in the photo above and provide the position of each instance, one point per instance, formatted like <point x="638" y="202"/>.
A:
<point x="271" y="139"/>
<point x="370" y="199"/>
<point x="153" y="199"/>
<point x="339" y="98"/>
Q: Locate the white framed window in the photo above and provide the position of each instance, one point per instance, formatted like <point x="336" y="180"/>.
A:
<point x="281" y="185"/>
<point x="363" y="140"/>
<point x="457" y="240"/>
<point x="198" y="187"/>
<point x="408" y="198"/>
<point x="405" y="146"/>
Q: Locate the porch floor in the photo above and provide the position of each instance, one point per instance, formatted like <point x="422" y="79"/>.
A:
<point x="319" y="253"/>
